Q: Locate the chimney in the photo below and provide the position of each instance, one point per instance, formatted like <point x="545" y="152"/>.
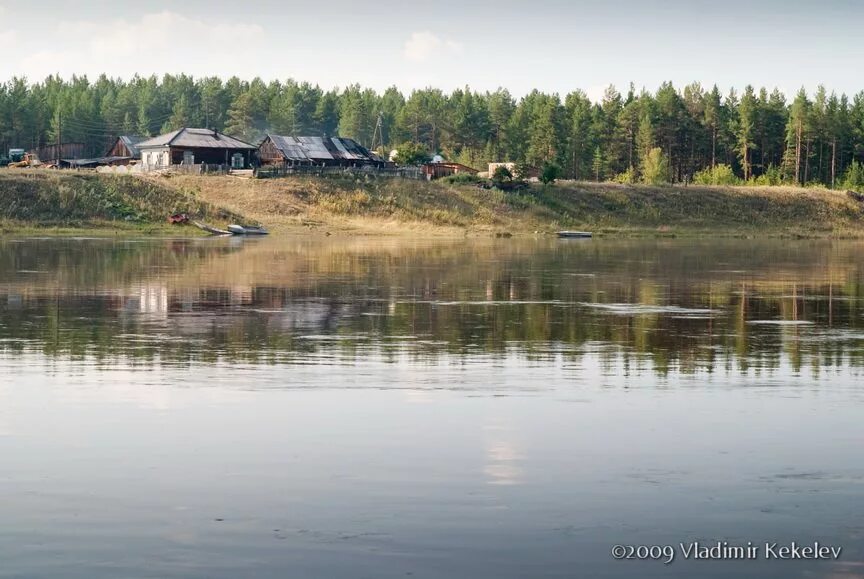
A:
<point x="215" y="134"/>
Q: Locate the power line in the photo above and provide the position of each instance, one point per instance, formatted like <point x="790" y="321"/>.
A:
<point x="96" y="125"/>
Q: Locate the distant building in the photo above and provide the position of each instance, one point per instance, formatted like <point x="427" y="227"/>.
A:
<point x="126" y="146"/>
<point x="326" y="151"/>
<point x="445" y="169"/>
<point x="94" y="162"/>
<point x="188" y="146"/>
<point x="123" y="152"/>
<point x="50" y="153"/>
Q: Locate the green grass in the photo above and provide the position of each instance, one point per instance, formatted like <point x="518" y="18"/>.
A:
<point x="69" y="200"/>
<point x="61" y="201"/>
<point x="610" y="208"/>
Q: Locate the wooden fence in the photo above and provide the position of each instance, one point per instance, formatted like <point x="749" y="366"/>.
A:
<point x="198" y="169"/>
<point x="320" y="171"/>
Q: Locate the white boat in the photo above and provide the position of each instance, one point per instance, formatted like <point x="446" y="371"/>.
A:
<point x="246" y="229"/>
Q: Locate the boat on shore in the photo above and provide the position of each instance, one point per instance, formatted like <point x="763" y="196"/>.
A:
<point x="210" y="229"/>
<point x="247" y="229"/>
<point x="575" y="234"/>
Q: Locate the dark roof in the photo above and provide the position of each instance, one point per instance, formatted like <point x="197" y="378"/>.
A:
<point x="195" y="138"/>
<point x="323" y="149"/>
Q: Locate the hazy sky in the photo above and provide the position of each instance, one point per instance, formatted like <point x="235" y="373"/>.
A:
<point x="552" y="45"/>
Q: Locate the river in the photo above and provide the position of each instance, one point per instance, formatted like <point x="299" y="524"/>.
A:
<point x="382" y="408"/>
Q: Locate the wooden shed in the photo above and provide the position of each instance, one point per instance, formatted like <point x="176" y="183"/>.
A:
<point x="51" y="152"/>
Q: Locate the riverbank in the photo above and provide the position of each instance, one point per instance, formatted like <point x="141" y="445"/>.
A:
<point x="52" y="202"/>
<point x="395" y="206"/>
<point x="48" y="200"/>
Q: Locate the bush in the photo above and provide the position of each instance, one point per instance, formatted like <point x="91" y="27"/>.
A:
<point x="772" y="177"/>
<point x="461" y="178"/>
<point x="502" y="175"/>
<point x="628" y="177"/>
<point x="550" y="173"/>
<point x="853" y="179"/>
<point x="718" y="175"/>
<point x="412" y="154"/>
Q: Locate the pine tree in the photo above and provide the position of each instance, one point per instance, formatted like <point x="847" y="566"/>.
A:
<point x="179" y="116"/>
<point x="645" y="137"/>
<point x="655" y="168"/>
<point x="746" y="119"/>
<point x="240" y="123"/>
<point x="797" y="132"/>
<point x="578" y="110"/>
<point x="598" y="164"/>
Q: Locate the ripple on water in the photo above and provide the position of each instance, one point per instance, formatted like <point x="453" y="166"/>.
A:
<point x="622" y="309"/>
<point x="780" y="322"/>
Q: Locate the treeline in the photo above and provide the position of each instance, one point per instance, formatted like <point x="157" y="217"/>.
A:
<point x="670" y="135"/>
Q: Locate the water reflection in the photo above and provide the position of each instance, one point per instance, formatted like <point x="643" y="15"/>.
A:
<point x="386" y="408"/>
<point x="671" y="307"/>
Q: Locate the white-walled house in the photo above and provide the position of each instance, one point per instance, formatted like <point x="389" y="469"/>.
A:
<point x="190" y="146"/>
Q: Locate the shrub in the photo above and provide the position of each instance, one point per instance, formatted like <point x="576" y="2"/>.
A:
<point x="718" y="175"/>
<point x="502" y="175"/>
<point x="460" y="178"/>
<point x="628" y="177"/>
<point x="854" y="177"/>
<point x="772" y="176"/>
<point x="550" y="173"/>
<point x="412" y="154"/>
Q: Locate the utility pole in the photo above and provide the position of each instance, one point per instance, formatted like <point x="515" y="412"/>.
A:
<point x="378" y="132"/>
<point x="59" y="135"/>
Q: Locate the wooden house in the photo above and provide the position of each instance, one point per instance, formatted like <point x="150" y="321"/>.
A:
<point x="189" y="146"/>
<point x="126" y="146"/>
<point x="322" y="151"/>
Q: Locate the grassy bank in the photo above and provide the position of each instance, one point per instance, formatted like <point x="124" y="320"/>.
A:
<point x="397" y="206"/>
<point x="45" y="199"/>
<point x="71" y="202"/>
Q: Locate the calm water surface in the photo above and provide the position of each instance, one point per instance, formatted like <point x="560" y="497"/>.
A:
<point x="399" y="408"/>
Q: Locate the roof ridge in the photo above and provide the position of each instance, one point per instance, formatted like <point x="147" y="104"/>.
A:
<point x="174" y="138"/>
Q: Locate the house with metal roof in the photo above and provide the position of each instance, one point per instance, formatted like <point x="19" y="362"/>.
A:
<point x="323" y="151"/>
<point x="126" y="146"/>
<point x="189" y="146"/>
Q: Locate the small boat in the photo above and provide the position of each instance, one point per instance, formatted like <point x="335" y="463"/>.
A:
<point x="246" y="229"/>
<point x="575" y="234"/>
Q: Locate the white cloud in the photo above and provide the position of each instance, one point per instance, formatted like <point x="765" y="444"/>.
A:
<point x="423" y="46"/>
<point x="154" y="44"/>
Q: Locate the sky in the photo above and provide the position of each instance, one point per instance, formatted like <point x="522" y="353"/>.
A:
<point x="551" y="45"/>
